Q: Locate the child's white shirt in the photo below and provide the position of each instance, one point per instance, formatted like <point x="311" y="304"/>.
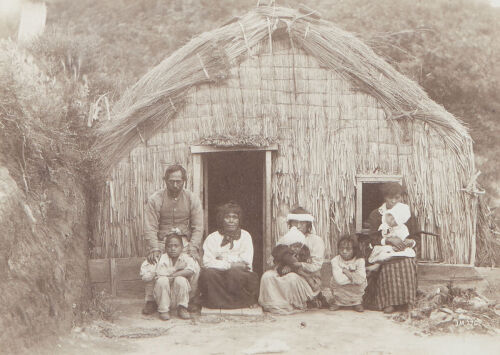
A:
<point x="356" y="266"/>
<point x="165" y="266"/>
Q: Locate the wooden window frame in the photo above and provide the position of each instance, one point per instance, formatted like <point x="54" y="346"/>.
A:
<point x="369" y="179"/>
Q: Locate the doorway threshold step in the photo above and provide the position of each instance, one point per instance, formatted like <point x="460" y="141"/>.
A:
<point x="257" y="311"/>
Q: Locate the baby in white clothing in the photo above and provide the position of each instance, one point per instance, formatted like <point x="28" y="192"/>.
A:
<point x="393" y="225"/>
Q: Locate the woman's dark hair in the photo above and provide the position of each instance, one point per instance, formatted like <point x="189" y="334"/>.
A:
<point x="301" y="210"/>
<point x="223" y="210"/>
<point x="353" y="240"/>
<point x="172" y="169"/>
<point x="391" y="189"/>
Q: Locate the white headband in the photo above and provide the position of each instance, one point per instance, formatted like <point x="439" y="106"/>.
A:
<point x="305" y="217"/>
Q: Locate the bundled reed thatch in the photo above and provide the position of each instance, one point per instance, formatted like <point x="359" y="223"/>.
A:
<point x="153" y="100"/>
<point x="334" y="107"/>
<point x="488" y="245"/>
<point x="237" y="141"/>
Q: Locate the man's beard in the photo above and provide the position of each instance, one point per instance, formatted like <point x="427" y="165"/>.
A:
<point x="174" y="192"/>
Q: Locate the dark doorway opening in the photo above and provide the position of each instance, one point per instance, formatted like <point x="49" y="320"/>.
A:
<point x="238" y="176"/>
<point x="372" y="198"/>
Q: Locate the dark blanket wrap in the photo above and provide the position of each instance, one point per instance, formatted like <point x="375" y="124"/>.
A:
<point x="228" y="289"/>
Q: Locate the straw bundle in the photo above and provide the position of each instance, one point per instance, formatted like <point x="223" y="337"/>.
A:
<point x="334" y="108"/>
<point x="237" y="141"/>
<point x="154" y="99"/>
<point x="206" y="58"/>
<point x="489" y="238"/>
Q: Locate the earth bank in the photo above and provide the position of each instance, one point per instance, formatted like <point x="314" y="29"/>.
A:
<point x="43" y="257"/>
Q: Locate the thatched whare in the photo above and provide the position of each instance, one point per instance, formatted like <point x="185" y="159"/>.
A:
<point x="279" y="108"/>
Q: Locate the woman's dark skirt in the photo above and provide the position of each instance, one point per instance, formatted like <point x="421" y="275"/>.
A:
<point x="228" y="289"/>
<point x="394" y="284"/>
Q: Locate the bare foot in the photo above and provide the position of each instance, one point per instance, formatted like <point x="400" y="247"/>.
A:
<point x="255" y="305"/>
<point x="358" y="308"/>
<point x="388" y="309"/>
<point x="334" y="307"/>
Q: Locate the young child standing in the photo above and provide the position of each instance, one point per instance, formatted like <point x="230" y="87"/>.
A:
<point x="393" y="225"/>
<point x="349" y="276"/>
<point x="172" y="275"/>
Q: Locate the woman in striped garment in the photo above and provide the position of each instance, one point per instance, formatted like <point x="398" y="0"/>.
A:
<point x="394" y="284"/>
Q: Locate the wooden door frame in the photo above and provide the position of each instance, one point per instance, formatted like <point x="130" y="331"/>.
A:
<point x="200" y="183"/>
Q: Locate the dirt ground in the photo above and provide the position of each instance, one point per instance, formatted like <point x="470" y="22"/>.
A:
<point x="313" y="332"/>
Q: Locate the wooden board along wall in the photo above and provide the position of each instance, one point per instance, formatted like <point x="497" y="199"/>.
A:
<point x="120" y="276"/>
<point x="117" y="276"/>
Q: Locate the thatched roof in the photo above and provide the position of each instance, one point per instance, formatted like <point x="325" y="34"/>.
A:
<point x="148" y="105"/>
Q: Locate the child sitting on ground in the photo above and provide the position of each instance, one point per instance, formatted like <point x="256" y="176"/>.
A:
<point x="290" y="252"/>
<point x="172" y="275"/>
<point x="393" y="225"/>
<point x="349" y="276"/>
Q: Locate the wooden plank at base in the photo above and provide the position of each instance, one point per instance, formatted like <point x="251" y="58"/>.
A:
<point x="99" y="270"/>
<point x="98" y="287"/>
<point x="257" y="311"/>
<point x="130" y="289"/>
<point x="425" y="273"/>
<point x="447" y="272"/>
<point x="128" y="268"/>
<point x="128" y="283"/>
<point x="118" y="276"/>
<point x="113" y="276"/>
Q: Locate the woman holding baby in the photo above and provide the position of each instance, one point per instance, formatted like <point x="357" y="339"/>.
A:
<point x="394" y="283"/>
<point x="286" y="292"/>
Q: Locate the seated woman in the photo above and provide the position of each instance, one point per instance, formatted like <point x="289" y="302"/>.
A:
<point x="226" y="279"/>
<point x="284" y="294"/>
<point x="290" y="252"/>
<point x="395" y="281"/>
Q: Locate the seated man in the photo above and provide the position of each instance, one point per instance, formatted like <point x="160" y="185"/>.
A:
<point x="173" y="208"/>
